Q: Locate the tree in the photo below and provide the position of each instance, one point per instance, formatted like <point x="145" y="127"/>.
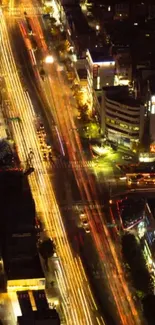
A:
<point x="62" y="46"/>
<point x="84" y="113"/>
<point x="55" y="31"/>
<point x="47" y="249"/>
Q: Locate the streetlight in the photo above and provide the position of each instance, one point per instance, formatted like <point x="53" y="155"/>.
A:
<point x="49" y="59"/>
<point x="97" y="27"/>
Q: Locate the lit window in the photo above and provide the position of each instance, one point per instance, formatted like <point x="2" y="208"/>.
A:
<point x="123" y="125"/>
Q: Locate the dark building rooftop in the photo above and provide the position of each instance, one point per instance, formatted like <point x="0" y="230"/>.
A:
<point x="24" y="268"/>
<point x="17" y="227"/>
<point x="16" y="202"/>
<point x="24" y="302"/>
<point x="36" y="318"/>
<point x="77" y="20"/>
<point x="82" y="73"/>
<point x="42" y="316"/>
<point x="101" y="55"/>
<point x="121" y="95"/>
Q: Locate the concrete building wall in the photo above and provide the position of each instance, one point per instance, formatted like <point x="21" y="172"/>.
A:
<point x="121" y="123"/>
<point x="102" y="73"/>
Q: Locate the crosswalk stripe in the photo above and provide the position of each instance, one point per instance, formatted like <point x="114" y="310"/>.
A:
<point x="71" y="164"/>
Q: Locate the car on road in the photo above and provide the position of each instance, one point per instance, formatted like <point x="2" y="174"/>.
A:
<point x="135" y="179"/>
<point x="84" y="222"/>
<point x="126" y="157"/>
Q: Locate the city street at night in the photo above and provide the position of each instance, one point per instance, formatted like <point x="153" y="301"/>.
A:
<point x="80" y="187"/>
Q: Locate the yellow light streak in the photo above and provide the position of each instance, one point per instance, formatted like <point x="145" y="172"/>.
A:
<point x="74" y="287"/>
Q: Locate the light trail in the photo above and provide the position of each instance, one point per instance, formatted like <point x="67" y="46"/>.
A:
<point x="125" y="306"/>
<point x="78" y="310"/>
<point x="61" y="144"/>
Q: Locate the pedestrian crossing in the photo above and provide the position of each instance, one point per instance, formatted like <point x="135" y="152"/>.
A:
<point x="60" y="164"/>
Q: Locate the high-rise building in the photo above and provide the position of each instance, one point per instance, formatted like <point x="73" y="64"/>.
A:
<point x="122" y="116"/>
<point x="102" y="68"/>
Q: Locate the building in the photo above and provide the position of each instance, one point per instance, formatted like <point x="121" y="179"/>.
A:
<point x="131" y="212"/>
<point x="36" y="318"/>
<point x="22" y="264"/>
<point x="17" y="204"/>
<point x="146" y="91"/>
<point x="102" y="68"/>
<point x="82" y="35"/>
<point x="35" y="309"/>
<point x="18" y="233"/>
<point x="121" y="10"/>
<point x="123" y="74"/>
<point x="122" y="116"/>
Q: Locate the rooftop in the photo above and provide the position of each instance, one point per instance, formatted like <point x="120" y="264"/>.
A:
<point x="37" y="318"/>
<point x="74" y="16"/>
<point x="16" y="203"/>
<point x="24" y="268"/>
<point x="121" y="94"/>
<point x="132" y="211"/>
<point x="82" y="73"/>
<point x="101" y="55"/>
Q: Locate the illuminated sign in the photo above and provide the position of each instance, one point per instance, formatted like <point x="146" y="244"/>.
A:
<point x="105" y="63"/>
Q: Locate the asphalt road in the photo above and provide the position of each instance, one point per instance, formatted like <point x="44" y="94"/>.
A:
<point x="60" y="171"/>
<point x="119" y="300"/>
<point x="68" y="195"/>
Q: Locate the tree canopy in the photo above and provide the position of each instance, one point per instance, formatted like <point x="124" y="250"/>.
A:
<point x="47" y="248"/>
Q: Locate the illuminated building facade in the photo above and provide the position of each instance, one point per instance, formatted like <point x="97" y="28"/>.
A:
<point x="102" y="68"/>
<point x="82" y="34"/>
<point x="122" y="117"/>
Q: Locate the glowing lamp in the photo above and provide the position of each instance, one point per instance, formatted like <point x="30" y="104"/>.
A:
<point x="49" y="59"/>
